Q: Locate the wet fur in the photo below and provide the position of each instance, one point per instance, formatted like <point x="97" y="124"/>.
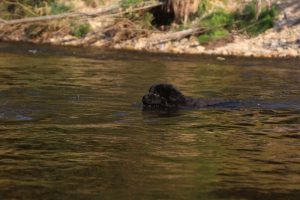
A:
<point x="166" y="96"/>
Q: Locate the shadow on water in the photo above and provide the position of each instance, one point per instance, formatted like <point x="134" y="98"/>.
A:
<point x="72" y="126"/>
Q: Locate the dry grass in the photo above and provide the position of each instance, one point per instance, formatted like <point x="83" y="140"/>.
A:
<point x="183" y="9"/>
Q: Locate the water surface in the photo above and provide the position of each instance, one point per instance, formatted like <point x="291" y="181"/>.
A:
<point x="71" y="126"/>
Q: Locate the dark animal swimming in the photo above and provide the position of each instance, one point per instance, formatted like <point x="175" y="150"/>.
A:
<point x="167" y="96"/>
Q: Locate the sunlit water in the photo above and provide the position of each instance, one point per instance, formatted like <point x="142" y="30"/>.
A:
<point x="72" y="127"/>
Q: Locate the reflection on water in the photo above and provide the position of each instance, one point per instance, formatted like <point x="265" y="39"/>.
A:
<point x="71" y="127"/>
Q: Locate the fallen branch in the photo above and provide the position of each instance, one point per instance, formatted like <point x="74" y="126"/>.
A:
<point x="106" y="12"/>
<point x="59" y="16"/>
<point x="176" y="36"/>
<point x="135" y="9"/>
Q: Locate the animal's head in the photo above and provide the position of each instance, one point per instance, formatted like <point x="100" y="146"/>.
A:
<point x="163" y="96"/>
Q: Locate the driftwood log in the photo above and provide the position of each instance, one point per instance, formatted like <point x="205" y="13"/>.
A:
<point x="175" y="36"/>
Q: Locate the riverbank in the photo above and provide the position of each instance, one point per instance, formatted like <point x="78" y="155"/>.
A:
<point x="283" y="40"/>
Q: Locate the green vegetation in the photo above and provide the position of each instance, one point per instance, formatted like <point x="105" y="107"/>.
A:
<point x="148" y="18"/>
<point x="216" y="25"/>
<point x="203" y="6"/>
<point x="81" y="30"/>
<point x="13" y="9"/>
<point x="58" y="8"/>
<point x="219" y="19"/>
<point x="219" y="24"/>
<point x="246" y="20"/>
<point x="213" y="36"/>
<point x="129" y="3"/>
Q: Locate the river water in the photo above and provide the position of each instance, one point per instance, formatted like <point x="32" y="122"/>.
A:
<point x="72" y="127"/>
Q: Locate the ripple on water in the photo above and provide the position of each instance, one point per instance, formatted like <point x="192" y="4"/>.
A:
<point x="70" y="127"/>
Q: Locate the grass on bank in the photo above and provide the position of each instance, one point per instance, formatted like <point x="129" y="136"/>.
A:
<point x="15" y="9"/>
<point x="247" y="20"/>
<point x="219" y="24"/>
<point x="58" y="8"/>
<point x="129" y="3"/>
<point x="81" y="30"/>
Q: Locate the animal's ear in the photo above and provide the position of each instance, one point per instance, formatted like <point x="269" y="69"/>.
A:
<point x="152" y="89"/>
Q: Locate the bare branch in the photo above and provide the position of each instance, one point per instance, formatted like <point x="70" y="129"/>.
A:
<point x="106" y="12"/>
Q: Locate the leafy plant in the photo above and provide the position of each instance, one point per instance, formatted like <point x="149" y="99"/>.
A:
<point x="218" y="19"/>
<point x="220" y="23"/>
<point x="248" y="13"/>
<point x="202" y="8"/>
<point x="265" y="21"/>
<point x="81" y="30"/>
<point x="247" y="19"/>
<point x="204" y="38"/>
<point x="213" y="35"/>
<point x="217" y="25"/>
<point x="148" y="18"/>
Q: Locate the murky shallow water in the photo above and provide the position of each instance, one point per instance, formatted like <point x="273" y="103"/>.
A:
<point x="71" y="127"/>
